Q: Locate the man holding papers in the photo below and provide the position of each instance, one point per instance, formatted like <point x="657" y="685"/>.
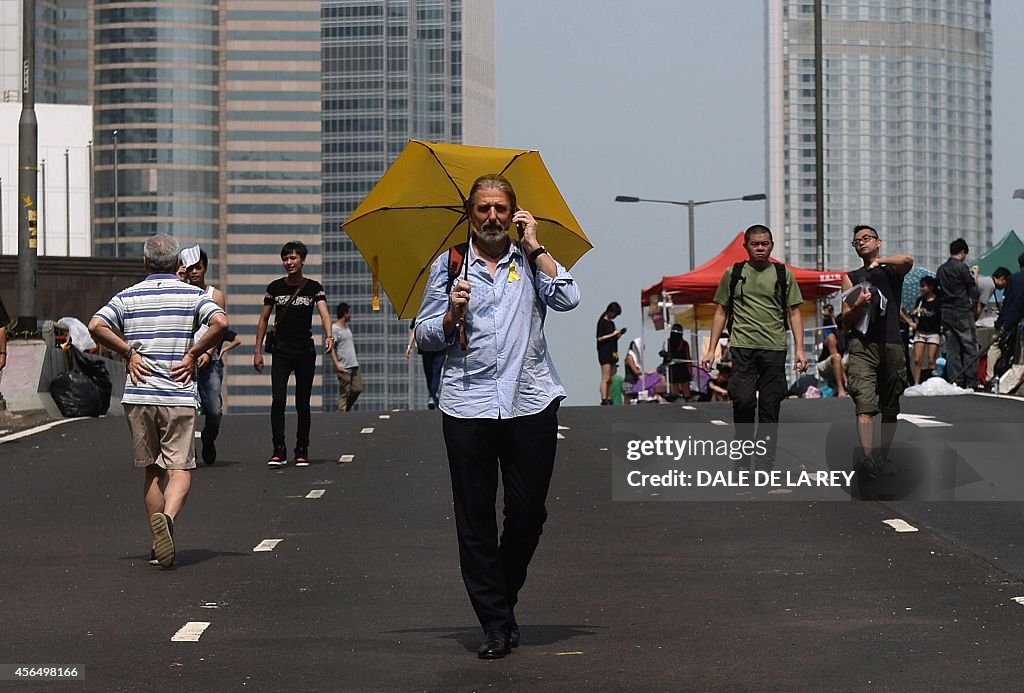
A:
<point x="877" y="367"/>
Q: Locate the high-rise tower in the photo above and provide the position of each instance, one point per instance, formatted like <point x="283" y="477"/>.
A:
<point x="908" y="144"/>
<point x="393" y="70"/>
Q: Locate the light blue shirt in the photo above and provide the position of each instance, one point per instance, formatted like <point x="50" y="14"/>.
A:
<point x="506" y="371"/>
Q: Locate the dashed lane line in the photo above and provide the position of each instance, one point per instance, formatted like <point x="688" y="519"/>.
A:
<point x="900" y="525"/>
<point x="368" y="429"/>
<point x="191" y="631"/>
<point x="316" y="493"/>
<point x="922" y="420"/>
<point x="346" y="458"/>
<point x="267" y="545"/>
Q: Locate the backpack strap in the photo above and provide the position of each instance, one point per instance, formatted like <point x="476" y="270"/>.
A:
<point x="734" y="279"/>
<point x="456" y="258"/>
<point x="781" y="291"/>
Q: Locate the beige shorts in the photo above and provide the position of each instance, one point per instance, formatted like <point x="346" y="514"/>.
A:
<point x="927" y="338"/>
<point x="162" y="435"/>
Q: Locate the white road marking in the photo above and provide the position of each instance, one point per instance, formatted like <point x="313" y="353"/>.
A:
<point x="900" y="525"/>
<point x="267" y="545"/>
<point x="384" y="416"/>
<point x="689" y="407"/>
<point x="922" y="420"/>
<point x="367" y="430"/>
<point x="560" y="437"/>
<point x="719" y="422"/>
<point x="38" y="429"/>
<point x="1019" y="600"/>
<point x="198" y="434"/>
<point x="346" y="458"/>
<point x="562" y="428"/>
<point x="316" y="493"/>
<point x="191" y="631"/>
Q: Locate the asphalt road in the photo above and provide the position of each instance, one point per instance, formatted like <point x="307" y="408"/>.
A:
<point x="363" y="593"/>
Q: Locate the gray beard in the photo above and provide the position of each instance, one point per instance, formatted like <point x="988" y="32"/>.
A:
<point x="491" y="235"/>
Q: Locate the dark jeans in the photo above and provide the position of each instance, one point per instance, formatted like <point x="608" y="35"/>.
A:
<point x="523" y="449"/>
<point x="433" y="361"/>
<point x="208" y="381"/>
<point x="961" y="347"/>
<point x="757" y="383"/>
<point x="303" y="364"/>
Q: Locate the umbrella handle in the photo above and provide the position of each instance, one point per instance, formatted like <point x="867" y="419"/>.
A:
<point x="463" y="337"/>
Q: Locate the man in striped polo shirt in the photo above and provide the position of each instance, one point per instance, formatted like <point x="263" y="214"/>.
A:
<point x="151" y="324"/>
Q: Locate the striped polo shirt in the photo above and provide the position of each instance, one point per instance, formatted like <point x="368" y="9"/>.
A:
<point x="158" y="316"/>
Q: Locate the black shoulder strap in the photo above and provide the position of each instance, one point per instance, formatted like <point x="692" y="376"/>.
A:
<point x="456" y="256"/>
<point x="734" y="279"/>
<point x="782" y="291"/>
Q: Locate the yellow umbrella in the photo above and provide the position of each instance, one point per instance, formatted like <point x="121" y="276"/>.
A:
<point x="417" y="211"/>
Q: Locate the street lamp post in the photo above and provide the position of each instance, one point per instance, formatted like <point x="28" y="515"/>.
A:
<point x="691" y="204"/>
<point x="117" y="231"/>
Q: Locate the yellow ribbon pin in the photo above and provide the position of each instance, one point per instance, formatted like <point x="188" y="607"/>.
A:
<point x="512" y="276"/>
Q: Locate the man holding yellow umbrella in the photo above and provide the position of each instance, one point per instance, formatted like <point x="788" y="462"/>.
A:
<point x="499" y="395"/>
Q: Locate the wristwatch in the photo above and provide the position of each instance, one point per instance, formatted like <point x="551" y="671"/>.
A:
<point x="537" y="253"/>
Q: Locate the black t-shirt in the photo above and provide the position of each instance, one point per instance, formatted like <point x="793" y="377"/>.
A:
<point x="884" y="280"/>
<point x="929" y="316"/>
<point x="293" y="330"/>
<point x="608" y="350"/>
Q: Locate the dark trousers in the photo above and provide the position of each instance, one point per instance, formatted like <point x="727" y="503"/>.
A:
<point x="433" y="361"/>
<point x="523" y="449"/>
<point x="757" y="383"/>
<point x="303" y="364"/>
<point x="961" y="347"/>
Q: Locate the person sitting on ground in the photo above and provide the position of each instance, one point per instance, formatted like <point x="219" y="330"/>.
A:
<point x="633" y="371"/>
<point x="831" y="363"/>
<point x="679" y="360"/>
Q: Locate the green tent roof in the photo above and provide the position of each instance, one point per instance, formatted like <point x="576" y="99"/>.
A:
<point x="1004" y="254"/>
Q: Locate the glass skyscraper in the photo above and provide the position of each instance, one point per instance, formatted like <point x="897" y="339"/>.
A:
<point x="216" y="109"/>
<point x="907" y="99"/>
<point x="393" y="70"/>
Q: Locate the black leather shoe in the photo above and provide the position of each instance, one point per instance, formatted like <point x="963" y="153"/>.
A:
<point x="513" y="635"/>
<point x="494" y="646"/>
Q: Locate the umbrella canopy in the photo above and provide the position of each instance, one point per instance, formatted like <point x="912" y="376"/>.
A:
<point x="912" y="286"/>
<point x="417" y="211"/>
<point x="699" y="285"/>
<point x="1003" y="254"/>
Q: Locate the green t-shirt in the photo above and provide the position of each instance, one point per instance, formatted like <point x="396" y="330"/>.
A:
<point x="757" y="319"/>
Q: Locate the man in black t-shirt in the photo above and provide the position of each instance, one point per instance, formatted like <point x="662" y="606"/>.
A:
<point x="294" y="299"/>
<point x="877" y="366"/>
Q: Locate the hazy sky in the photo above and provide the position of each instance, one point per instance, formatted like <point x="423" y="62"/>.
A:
<point x="665" y="99"/>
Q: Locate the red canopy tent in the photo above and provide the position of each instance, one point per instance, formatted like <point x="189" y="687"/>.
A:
<point x="697" y="289"/>
<point x="699" y="285"/>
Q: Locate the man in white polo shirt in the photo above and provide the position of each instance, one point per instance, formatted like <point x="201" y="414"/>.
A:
<point x="151" y="325"/>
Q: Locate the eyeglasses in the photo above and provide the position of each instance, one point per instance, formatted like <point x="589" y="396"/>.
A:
<point x="858" y="241"/>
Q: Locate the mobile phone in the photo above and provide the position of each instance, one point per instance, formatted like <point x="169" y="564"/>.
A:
<point x="623" y="331"/>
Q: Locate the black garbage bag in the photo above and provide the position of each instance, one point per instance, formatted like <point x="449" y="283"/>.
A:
<point x="85" y="389"/>
<point x="76" y="395"/>
<point x="95" y="369"/>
